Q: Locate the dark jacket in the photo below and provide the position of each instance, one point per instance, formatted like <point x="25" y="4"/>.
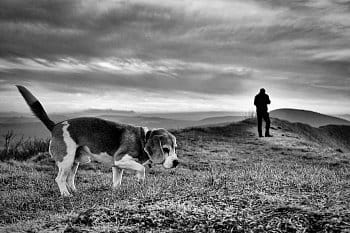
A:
<point x="261" y="101"/>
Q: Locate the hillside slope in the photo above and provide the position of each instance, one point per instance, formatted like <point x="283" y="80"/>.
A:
<point x="344" y="116"/>
<point x="339" y="133"/>
<point x="307" y="117"/>
<point x="229" y="180"/>
<point x="335" y="136"/>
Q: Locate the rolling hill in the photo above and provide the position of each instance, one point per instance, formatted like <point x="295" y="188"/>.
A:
<point x="193" y="116"/>
<point x="219" y="120"/>
<point x="149" y="121"/>
<point x="307" y="117"/>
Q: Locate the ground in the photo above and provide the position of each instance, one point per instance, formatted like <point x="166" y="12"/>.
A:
<point x="229" y="180"/>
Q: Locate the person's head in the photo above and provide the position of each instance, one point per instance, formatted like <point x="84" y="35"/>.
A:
<point x="262" y="91"/>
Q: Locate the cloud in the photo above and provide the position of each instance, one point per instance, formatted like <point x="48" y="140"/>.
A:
<point x="107" y="28"/>
<point x="98" y="76"/>
<point x="202" y="47"/>
<point x="332" y="55"/>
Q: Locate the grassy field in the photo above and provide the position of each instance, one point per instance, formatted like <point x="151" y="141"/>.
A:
<point x="228" y="181"/>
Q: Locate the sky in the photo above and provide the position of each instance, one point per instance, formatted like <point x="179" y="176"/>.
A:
<point x="175" y="55"/>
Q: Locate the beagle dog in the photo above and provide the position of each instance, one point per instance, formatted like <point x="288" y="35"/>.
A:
<point x="119" y="146"/>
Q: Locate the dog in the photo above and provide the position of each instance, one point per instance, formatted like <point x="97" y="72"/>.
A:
<point x="119" y="146"/>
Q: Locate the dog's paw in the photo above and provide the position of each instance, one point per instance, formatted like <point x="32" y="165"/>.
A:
<point x="66" y="194"/>
<point x="72" y="189"/>
<point x="140" y="177"/>
<point x="116" y="187"/>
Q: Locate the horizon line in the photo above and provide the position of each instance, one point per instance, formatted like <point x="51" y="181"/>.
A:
<point x="169" y="112"/>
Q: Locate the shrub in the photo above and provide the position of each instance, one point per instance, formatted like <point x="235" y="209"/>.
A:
<point x="22" y="149"/>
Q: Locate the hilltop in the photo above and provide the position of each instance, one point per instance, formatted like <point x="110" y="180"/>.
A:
<point x="307" y="117"/>
<point x="229" y="180"/>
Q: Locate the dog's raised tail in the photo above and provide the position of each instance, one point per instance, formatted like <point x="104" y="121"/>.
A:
<point x="36" y="107"/>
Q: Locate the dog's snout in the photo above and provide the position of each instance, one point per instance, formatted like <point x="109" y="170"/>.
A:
<point x="175" y="163"/>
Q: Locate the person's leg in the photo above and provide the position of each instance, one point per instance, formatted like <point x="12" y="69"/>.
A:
<point x="259" y="116"/>
<point x="267" y="120"/>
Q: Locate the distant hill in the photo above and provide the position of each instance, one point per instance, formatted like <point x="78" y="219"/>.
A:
<point x="96" y="112"/>
<point x="220" y="119"/>
<point x="28" y="116"/>
<point x="151" y="122"/>
<point x="25" y="130"/>
<point x="307" y="117"/>
<point x="193" y="116"/>
<point x="26" y="125"/>
<point x="14" y="114"/>
<point x="18" y="120"/>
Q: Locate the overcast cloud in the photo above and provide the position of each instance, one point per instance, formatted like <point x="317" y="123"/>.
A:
<point x="170" y="55"/>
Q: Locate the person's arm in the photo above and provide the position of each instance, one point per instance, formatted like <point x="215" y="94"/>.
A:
<point x="255" y="101"/>
<point x="268" y="101"/>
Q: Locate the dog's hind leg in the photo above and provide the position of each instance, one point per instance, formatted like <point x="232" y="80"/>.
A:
<point x="64" y="152"/>
<point x="82" y="155"/>
<point x="61" y="181"/>
<point x="71" y="176"/>
<point x="65" y="169"/>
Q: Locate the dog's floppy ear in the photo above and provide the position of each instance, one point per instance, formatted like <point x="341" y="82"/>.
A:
<point x="154" y="148"/>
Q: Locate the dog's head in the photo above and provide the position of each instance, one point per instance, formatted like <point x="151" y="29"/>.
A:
<point x="161" y="147"/>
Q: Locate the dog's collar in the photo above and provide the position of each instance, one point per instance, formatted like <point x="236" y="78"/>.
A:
<point x="145" y="135"/>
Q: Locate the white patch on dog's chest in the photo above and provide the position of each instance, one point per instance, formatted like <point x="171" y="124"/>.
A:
<point x="125" y="160"/>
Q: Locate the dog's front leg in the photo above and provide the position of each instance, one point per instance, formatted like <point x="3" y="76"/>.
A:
<point x="117" y="177"/>
<point x="128" y="162"/>
<point x="140" y="175"/>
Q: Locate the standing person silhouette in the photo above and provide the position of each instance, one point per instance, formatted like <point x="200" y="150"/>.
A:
<point x="261" y="101"/>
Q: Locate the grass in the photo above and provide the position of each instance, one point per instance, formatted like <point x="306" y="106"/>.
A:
<point x="228" y="181"/>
